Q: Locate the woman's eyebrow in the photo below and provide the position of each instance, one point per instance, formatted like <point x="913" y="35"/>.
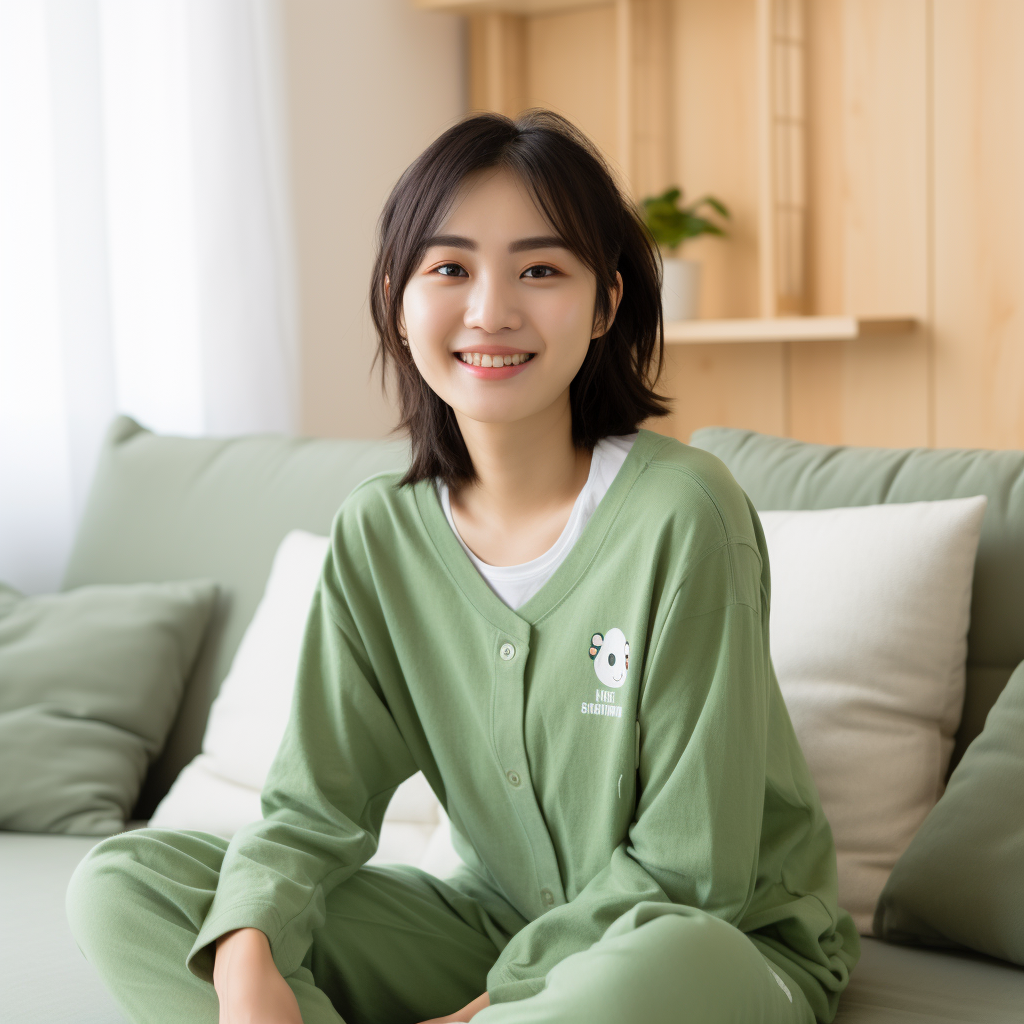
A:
<point x="522" y="245"/>
<point x="450" y="242"/>
<point x="539" y="242"/>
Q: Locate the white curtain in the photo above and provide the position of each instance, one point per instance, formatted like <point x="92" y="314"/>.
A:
<point x="145" y="257"/>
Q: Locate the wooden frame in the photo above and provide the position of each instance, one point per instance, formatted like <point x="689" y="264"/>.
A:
<point x="782" y="155"/>
<point x="785" y="328"/>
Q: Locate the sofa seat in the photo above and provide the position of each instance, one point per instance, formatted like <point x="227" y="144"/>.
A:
<point x="45" y="977"/>
<point x="891" y="984"/>
<point x="908" y="985"/>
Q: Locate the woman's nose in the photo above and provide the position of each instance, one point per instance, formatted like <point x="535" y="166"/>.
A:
<point x="492" y="306"/>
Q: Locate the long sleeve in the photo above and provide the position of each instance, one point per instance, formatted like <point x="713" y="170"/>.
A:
<point x="704" y="715"/>
<point x="339" y="763"/>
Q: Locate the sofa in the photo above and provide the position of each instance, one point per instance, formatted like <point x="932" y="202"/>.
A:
<point x="168" y="508"/>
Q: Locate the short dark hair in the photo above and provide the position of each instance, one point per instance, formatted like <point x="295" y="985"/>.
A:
<point x="613" y="390"/>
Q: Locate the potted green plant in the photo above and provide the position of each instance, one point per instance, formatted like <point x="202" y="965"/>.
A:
<point x="671" y="225"/>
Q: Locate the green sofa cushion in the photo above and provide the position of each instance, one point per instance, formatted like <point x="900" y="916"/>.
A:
<point x="174" y="508"/>
<point x="90" y="682"/>
<point x="960" y="882"/>
<point x="779" y="473"/>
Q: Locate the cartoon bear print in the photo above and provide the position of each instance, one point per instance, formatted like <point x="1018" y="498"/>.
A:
<point x="610" y="654"/>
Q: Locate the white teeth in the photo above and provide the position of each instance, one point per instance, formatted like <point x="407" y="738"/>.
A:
<point x="483" y="359"/>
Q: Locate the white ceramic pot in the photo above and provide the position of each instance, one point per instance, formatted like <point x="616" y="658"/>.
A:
<point x="680" y="289"/>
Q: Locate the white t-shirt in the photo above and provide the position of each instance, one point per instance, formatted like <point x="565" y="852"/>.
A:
<point x="516" y="584"/>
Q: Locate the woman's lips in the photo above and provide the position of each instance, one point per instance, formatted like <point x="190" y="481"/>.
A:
<point x="492" y="372"/>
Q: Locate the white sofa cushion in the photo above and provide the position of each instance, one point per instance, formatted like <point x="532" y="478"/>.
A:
<point x="869" y="618"/>
<point x="219" y="791"/>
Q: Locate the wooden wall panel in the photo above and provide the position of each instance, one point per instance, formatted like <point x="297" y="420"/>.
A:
<point x="714" y="100"/>
<point x="816" y="370"/>
<point x="979" y="222"/>
<point x="816" y="376"/>
<point x="723" y="385"/>
<point x="885" y="156"/>
<point x="497" y="63"/>
<point x="714" y="110"/>
<point x="825" y="181"/>
<point x="652" y="99"/>
<point x="571" y="63"/>
<point x="870" y="223"/>
<point x="885" y="397"/>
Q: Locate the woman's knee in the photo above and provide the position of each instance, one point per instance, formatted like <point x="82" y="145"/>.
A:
<point x="132" y="874"/>
<point x="678" y="933"/>
<point x="658" y="966"/>
<point x="688" y="945"/>
<point x="714" y="970"/>
<point x="700" y="938"/>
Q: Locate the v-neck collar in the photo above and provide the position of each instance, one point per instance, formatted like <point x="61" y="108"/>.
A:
<point x="475" y="587"/>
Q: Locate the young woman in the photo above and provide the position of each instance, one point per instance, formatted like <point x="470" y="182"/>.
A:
<point x="561" y="618"/>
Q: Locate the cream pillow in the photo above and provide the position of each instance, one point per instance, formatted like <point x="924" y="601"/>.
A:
<point x="219" y="791"/>
<point x="869" y="616"/>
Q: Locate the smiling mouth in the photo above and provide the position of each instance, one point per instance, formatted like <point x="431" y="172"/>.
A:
<point x="486" y="359"/>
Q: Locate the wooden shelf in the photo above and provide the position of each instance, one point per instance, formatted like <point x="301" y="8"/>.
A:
<point x="504" y="6"/>
<point x="785" y="328"/>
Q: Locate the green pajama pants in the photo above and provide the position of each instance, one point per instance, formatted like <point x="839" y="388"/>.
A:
<point x="400" y="946"/>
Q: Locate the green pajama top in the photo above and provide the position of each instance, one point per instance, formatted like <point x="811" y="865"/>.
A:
<point x="619" y="738"/>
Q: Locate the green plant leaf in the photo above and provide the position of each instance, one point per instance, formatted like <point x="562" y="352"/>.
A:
<point x="670" y="224"/>
<point x="718" y="206"/>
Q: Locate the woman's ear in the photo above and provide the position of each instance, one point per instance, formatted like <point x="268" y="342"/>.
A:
<point x="604" y="325"/>
<point x="401" y="317"/>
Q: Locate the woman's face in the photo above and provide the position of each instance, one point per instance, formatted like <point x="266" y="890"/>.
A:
<point x="496" y="285"/>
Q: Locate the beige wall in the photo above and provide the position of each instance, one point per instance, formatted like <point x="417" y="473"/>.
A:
<point x="369" y="84"/>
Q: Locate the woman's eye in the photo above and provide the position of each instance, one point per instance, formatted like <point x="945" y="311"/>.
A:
<point x="539" y="271"/>
<point x="451" y="270"/>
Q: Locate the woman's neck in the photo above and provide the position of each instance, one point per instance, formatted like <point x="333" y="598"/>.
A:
<point x="529" y="476"/>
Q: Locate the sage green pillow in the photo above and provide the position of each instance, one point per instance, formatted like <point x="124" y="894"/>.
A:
<point x="90" y="682"/>
<point x="960" y="882"/>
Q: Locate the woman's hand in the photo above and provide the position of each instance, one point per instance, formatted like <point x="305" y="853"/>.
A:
<point x="465" y="1014"/>
<point x="248" y="984"/>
